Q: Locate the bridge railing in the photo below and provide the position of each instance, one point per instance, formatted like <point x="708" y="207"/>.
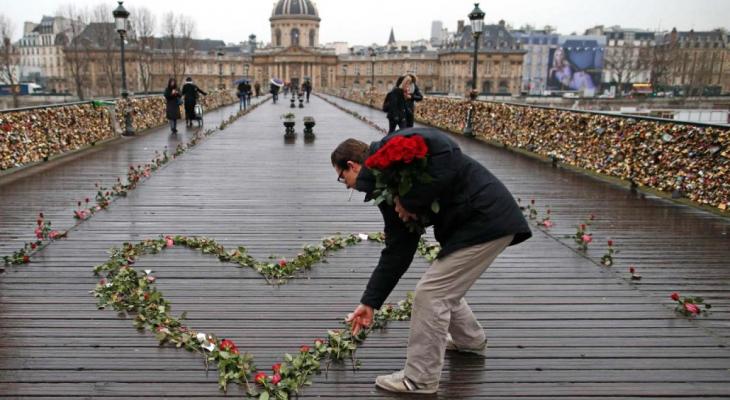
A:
<point x="34" y="134"/>
<point x="682" y="159"/>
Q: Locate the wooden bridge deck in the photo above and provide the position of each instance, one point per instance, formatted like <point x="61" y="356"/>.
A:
<point x="560" y="326"/>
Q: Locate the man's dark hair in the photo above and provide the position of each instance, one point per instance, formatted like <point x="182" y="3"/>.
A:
<point x="349" y="150"/>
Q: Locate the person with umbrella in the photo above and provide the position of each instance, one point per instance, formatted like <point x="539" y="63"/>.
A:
<point x="274" y="88"/>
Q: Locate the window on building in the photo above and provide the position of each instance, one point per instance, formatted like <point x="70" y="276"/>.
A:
<point x="504" y="68"/>
<point x="277" y="37"/>
<point x="311" y="38"/>
<point x="294" y="34"/>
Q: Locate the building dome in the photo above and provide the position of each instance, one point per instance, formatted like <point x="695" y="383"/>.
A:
<point x="300" y="9"/>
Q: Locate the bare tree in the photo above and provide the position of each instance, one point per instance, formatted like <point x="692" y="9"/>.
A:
<point x="622" y="64"/>
<point x="187" y="28"/>
<point x="77" y="58"/>
<point x="107" y="48"/>
<point x="171" y="32"/>
<point x="143" y="28"/>
<point x="9" y="57"/>
<point x="663" y="61"/>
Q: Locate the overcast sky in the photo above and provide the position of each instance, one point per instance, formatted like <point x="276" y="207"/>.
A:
<point x="369" y="21"/>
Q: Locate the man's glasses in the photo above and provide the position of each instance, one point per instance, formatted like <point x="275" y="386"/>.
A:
<point x="341" y="178"/>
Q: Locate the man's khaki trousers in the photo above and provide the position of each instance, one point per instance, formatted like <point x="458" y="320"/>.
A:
<point x="439" y="308"/>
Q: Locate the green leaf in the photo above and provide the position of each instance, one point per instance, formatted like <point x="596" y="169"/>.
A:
<point x="435" y="207"/>
<point x="404" y="186"/>
<point x="264" y="396"/>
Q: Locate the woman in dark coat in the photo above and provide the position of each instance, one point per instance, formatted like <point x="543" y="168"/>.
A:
<point x="395" y="105"/>
<point x="190" y="93"/>
<point x="172" y="97"/>
<point x="415" y="95"/>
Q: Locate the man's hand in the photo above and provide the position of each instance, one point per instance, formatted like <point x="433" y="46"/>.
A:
<point x="404" y="214"/>
<point x="361" y="318"/>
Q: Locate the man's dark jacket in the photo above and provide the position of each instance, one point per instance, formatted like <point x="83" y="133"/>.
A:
<point x="475" y="207"/>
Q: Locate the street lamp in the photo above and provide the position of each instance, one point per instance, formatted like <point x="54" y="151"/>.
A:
<point x="219" y="55"/>
<point x="344" y="76"/>
<point x="477" y="24"/>
<point x="120" y="22"/>
<point x="371" y="53"/>
<point x="245" y="71"/>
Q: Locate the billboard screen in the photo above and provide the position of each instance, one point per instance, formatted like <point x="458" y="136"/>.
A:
<point x="576" y="64"/>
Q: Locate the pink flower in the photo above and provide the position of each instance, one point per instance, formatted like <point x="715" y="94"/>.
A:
<point x="318" y="342"/>
<point x="548" y="223"/>
<point x="586" y="239"/>
<point x="169" y="242"/>
<point x="39" y="233"/>
<point x="276" y="368"/>
<point x="276" y="379"/>
<point x="282" y="262"/>
<point x="691" y="308"/>
<point x="304" y="349"/>
<point x="582" y="227"/>
<point x="53" y="234"/>
<point x="150" y="278"/>
<point x="39" y="221"/>
<point x="675" y="296"/>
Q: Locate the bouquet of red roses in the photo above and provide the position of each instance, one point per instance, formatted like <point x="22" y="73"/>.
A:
<point x="397" y="165"/>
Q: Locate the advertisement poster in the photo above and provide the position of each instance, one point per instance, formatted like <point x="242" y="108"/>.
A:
<point x="576" y="64"/>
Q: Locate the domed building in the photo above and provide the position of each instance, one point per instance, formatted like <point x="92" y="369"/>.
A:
<point x="295" y="54"/>
<point x="294" y="23"/>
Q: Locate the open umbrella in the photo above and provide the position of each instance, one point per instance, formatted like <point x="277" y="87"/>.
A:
<point x="242" y="80"/>
<point x="277" y="82"/>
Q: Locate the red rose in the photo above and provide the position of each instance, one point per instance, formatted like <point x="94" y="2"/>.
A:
<point x="26" y="259"/>
<point x="39" y="221"/>
<point x="318" y="342"/>
<point x="582" y="227"/>
<point x="282" y="262"/>
<point x="304" y="349"/>
<point x="276" y="379"/>
<point x="276" y="368"/>
<point x="260" y="377"/>
<point x="228" y="345"/>
<point x="33" y="246"/>
<point x="86" y="199"/>
<point x="632" y="270"/>
<point x="610" y="242"/>
<point x="691" y="308"/>
<point x="675" y="296"/>
<point x="40" y="215"/>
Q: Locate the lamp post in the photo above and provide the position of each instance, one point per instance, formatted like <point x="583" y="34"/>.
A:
<point x="477" y="24"/>
<point x="120" y="22"/>
<point x="219" y="55"/>
<point x="245" y="71"/>
<point x="371" y="53"/>
<point x="344" y="76"/>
